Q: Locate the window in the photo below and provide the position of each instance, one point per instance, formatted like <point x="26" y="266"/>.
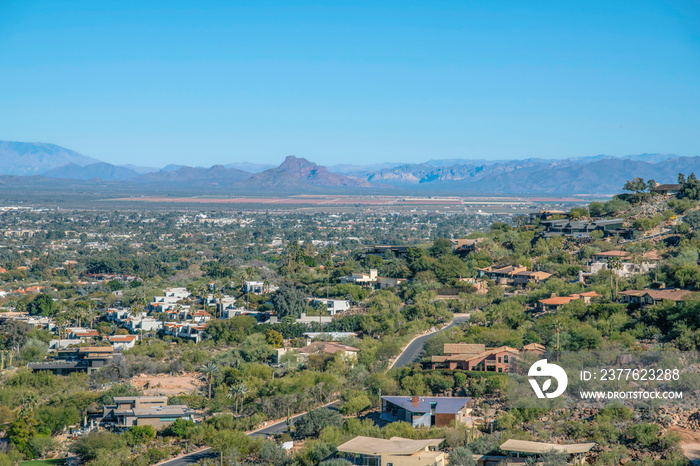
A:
<point x="499" y="360"/>
<point x="505" y="359"/>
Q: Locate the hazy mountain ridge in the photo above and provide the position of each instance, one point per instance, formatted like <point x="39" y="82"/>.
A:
<point x="600" y="174"/>
<point x="101" y="170"/>
<point x="297" y="172"/>
<point x="33" y="158"/>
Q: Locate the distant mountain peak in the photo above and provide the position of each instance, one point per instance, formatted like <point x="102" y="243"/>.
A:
<point x="33" y="158"/>
<point x="298" y="165"/>
<point x="297" y="172"/>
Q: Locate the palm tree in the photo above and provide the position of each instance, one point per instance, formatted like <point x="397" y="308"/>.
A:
<point x="248" y="274"/>
<point x="210" y="370"/>
<point x="204" y="293"/>
<point x="61" y="319"/>
<point x="138" y="306"/>
<point x="219" y="297"/>
<point x="615" y="265"/>
<point x="238" y="392"/>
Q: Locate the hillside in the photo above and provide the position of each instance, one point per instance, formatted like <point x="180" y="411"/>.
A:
<point x="296" y="172"/>
<point x="32" y="158"/>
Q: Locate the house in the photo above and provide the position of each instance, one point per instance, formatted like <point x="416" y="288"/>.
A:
<point x="83" y="334"/>
<point x="667" y="188"/>
<point x="258" y="287"/>
<point x="360" y="278"/>
<point x="81" y="359"/>
<point x="543" y="215"/>
<point x="327" y="336"/>
<point x="201" y="316"/>
<point x="524" y="277"/>
<point x="232" y="310"/>
<point x="427" y="411"/>
<point x="329" y="347"/>
<point x="395" y="451"/>
<point x="123" y="342"/>
<point x="513" y="275"/>
<point x="189" y="331"/>
<point x="128" y="411"/>
<point x="176" y="292"/>
<point x="475" y="357"/>
<point x="398" y="251"/>
<point x="534" y="348"/>
<point x="479" y="285"/>
<point x="649" y="297"/>
<point x="581" y="228"/>
<point x="576" y="451"/>
<point x="226" y="302"/>
<point x="554" y="302"/>
<point x="628" y="267"/>
<point x="389" y="282"/>
<point x="371" y="279"/>
<point x="464" y="245"/>
<point x="146" y="324"/>
<point x="333" y="306"/>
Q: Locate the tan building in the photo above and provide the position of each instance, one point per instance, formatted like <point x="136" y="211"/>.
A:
<point x="396" y="451"/>
<point x="513" y="275"/>
<point x="554" y="302"/>
<point x="475" y="357"/>
<point x="649" y="297"/>
<point x="348" y="353"/>
<point x="153" y="411"/>
<point x="575" y="451"/>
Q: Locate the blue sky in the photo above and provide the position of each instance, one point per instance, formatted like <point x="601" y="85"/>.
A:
<point x="208" y="82"/>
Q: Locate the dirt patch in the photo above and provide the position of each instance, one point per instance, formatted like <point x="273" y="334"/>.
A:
<point x="153" y="385"/>
<point x="690" y="443"/>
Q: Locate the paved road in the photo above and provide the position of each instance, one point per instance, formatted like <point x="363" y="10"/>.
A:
<point x="272" y="429"/>
<point x="414" y="351"/>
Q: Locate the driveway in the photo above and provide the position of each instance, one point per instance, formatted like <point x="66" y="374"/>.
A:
<point x="415" y="349"/>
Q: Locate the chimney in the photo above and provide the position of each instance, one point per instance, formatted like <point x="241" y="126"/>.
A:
<point x="415" y="401"/>
<point x="554" y="295"/>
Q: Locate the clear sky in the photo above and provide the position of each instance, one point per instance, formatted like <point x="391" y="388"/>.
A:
<point x="205" y="82"/>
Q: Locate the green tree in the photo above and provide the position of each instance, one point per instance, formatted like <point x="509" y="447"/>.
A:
<point x="42" y="305"/>
<point x="312" y="423"/>
<point x="461" y="457"/>
<point x="210" y="370"/>
<point x="289" y="301"/>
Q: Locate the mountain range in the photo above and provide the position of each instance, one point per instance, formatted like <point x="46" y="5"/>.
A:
<point x="601" y="174"/>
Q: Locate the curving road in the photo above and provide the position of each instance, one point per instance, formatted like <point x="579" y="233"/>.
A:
<point x="414" y="350"/>
<point x="411" y="354"/>
<point x="273" y="429"/>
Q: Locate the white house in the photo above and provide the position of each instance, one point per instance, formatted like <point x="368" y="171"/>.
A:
<point x="124" y="342"/>
<point x="258" y="287"/>
<point x="360" y="278"/>
<point x="333" y="306"/>
<point x="147" y="324"/>
<point x="371" y="279"/>
<point x="176" y="292"/>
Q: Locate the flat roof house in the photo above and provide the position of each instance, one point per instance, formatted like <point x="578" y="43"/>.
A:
<point x="153" y="411"/>
<point x="581" y="228"/>
<point x="333" y="306"/>
<point x="82" y="359"/>
<point x="396" y="451"/>
<point x="575" y="451"/>
<point x="428" y="411"/>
